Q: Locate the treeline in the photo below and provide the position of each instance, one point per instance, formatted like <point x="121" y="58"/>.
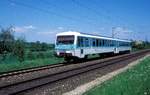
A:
<point x="18" y="47"/>
<point x="140" y="44"/>
<point x="38" y="46"/>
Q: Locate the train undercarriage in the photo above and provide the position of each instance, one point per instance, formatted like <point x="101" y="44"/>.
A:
<point x="68" y="56"/>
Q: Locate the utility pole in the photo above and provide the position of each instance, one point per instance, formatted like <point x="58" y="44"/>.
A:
<point x="113" y="32"/>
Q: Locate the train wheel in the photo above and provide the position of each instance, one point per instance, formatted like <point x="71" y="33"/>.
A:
<point x="86" y="56"/>
<point x="67" y="59"/>
<point x="76" y="59"/>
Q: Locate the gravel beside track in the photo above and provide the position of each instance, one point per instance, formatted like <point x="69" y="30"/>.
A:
<point x="72" y="75"/>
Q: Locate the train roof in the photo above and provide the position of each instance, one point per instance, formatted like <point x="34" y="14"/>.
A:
<point x="89" y="35"/>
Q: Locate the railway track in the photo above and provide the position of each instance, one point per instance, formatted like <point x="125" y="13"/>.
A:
<point x="65" y="73"/>
<point x="22" y="71"/>
<point x="34" y="69"/>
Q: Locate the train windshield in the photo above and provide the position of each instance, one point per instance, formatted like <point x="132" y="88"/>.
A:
<point x="65" y="40"/>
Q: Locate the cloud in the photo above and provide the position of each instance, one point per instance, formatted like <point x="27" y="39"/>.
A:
<point x="52" y="31"/>
<point x="23" y="28"/>
<point x="29" y="27"/>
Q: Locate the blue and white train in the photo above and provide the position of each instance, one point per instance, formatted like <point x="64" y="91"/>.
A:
<point x="72" y="45"/>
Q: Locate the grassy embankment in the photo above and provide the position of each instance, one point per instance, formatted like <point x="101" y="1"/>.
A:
<point x="34" y="59"/>
<point x="135" y="81"/>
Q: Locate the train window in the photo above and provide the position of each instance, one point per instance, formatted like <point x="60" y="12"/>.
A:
<point x="100" y="42"/>
<point x="119" y="43"/>
<point x="86" y="42"/>
<point x="110" y="43"/>
<point x="97" y="42"/>
<point x="129" y="44"/>
<point x="65" y="39"/>
<point x="93" y="43"/>
<point x="103" y="42"/>
<point x="78" y="42"/>
<point x="114" y="43"/>
<point x="81" y="42"/>
<point x="106" y="43"/>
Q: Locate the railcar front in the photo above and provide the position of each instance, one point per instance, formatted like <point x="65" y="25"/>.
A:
<point x="65" y="46"/>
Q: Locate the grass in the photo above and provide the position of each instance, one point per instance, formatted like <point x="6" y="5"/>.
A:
<point x="28" y="64"/>
<point x="135" y="81"/>
<point x="37" y="59"/>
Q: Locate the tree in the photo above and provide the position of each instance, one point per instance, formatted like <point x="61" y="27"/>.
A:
<point x="44" y="47"/>
<point x="19" y="49"/>
<point x="35" y="46"/>
<point x="6" y="41"/>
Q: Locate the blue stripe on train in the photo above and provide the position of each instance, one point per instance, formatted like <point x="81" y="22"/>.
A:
<point x="68" y="47"/>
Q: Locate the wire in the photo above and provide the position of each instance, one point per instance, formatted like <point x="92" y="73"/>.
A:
<point x="92" y="10"/>
<point x="50" y="5"/>
<point x="39" y="9"/>
<point x="49" y="12"/>
<point x="121" y="19"/>
<point x="89" y="20"/>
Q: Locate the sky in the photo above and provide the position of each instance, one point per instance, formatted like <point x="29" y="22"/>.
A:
<point x="41" y="20"/>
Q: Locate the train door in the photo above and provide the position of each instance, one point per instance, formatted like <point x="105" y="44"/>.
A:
<point x="80" y="47"/>
<point x="116" y="44"/>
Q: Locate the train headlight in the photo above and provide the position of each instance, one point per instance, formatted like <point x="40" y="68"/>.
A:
<point x="68" y="51"/>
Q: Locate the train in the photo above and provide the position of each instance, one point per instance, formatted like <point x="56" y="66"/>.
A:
<point x="76" y="45"/>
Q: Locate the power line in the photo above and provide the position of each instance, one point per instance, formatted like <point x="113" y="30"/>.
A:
<point x="40" y="9"/>
<point x="107" y="11"/>
<point x="53" y="5"/>
<point x="49" y="12"/>
<point x="108" y="17"/>
<point x="125" y="23"/>
<point x="91" y="9"/>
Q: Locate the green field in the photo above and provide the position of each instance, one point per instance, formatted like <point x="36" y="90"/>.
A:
<point x="135" y="81"/>
<point x="32" y="59"/>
